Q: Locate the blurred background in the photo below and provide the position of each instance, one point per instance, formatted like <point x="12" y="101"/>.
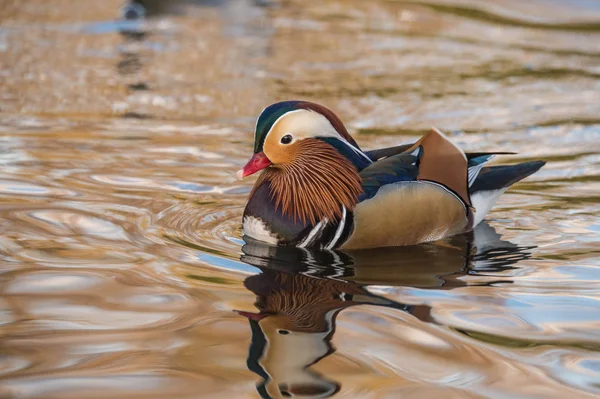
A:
<point x="122" y="125"/>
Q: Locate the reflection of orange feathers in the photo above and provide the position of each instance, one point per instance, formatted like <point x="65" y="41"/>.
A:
<point x="314" y="185"/>
<point x="300" y="303"/>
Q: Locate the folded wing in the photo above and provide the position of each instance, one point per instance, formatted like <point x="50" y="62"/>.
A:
<point x="416" y="196"/>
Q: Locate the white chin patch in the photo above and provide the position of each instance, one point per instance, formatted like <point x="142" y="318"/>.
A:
<point x="258" y="230"/>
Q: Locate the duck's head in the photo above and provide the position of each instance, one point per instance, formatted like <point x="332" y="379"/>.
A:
<point x="291" y="132"/>
<point x="310" y="160"/>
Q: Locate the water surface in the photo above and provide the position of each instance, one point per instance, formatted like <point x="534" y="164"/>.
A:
<point x="124" y="273"/>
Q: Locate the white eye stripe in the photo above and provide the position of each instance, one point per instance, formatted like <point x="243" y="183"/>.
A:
<point x="276" y="121"/>
<point x="321" y="125"/>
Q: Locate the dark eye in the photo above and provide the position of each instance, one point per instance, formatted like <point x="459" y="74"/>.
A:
<point x="286" y="139"/>
<point x="283" y="332"/>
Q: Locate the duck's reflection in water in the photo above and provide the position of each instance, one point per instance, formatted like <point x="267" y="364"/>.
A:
<point x="300" y="293"/>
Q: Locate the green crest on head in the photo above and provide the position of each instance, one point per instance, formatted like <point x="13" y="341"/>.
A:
<point x="267" y="118"/>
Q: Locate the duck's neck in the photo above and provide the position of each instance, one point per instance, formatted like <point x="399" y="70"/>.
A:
<point x="314" y="186"/>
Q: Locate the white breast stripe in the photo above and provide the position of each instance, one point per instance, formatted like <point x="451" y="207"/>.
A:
<point x="339" y="230"/>
<point x="313" y="233"/>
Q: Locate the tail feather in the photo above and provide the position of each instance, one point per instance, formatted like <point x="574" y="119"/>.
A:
<point x="492" y="181"/>
<point x="500" y="177"/>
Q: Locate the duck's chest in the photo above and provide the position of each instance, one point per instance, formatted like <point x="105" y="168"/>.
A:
<point x="263" y="221"/>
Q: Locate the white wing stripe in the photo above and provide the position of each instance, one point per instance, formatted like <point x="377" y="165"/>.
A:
<point x="474" y="171"/>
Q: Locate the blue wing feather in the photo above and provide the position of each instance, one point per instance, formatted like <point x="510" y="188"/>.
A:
<point x="397" y="168"/>
<point x="480" y="159"/>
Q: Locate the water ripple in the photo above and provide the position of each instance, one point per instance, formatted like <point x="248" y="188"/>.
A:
<point x="123" y="269"/>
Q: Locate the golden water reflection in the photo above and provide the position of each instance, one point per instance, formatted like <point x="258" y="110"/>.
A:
<point x="299" y="294"/>
<point x="123" y="269"/>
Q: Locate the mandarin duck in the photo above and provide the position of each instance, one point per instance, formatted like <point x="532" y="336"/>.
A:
<point x="319" y="189"/>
